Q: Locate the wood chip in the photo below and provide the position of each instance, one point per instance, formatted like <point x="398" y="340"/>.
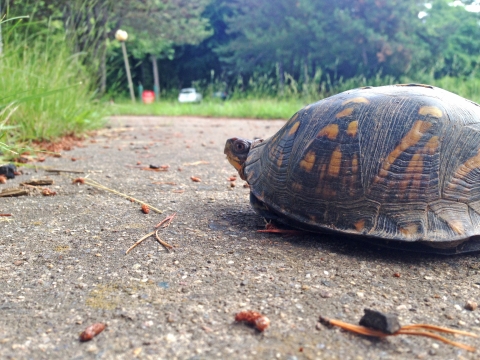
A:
<point x="38" y="182"/>
<point x="13" y="192"/>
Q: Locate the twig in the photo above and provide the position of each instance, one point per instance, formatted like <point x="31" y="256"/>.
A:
<point x="166" y="222"/>
<point x="138" y="242"/>
<point x="65" y="171"/>
<point x="166" y="245"/>
<point x="100" y="186"/>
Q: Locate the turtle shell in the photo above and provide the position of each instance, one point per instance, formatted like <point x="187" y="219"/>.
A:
<point x="397" y="162"/>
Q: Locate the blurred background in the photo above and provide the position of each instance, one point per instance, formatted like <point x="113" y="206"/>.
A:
<point x="277" y="54"/>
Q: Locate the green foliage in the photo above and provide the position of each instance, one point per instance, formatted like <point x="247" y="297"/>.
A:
<point x="240" y="108"/>
<point x="45" y="91"/>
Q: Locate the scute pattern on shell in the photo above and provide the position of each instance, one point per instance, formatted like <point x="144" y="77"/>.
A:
<point x="392" y="162"/>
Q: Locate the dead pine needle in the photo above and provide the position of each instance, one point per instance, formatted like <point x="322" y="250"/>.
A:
<point x="103" y="187"/>
<point x="415" y="329"/>
<point x="166" y="222"/>
<point x="438" y="328"/>
<point x="139" y="242"/>
<point x="436" y="337"/>
<point x="166" y="245"/>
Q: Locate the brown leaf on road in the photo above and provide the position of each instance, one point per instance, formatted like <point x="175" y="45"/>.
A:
<point x="259" y="321"/>
<point x="92" y="331"/>
<point x="48" y="192"/>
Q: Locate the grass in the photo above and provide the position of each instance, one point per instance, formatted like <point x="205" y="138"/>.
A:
<point x="238" y="108"/>
<point x="48" y="87"/>
<point x="282" y="107"/>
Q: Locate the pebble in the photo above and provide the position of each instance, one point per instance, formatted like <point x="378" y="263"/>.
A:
<point x="401" y="307"/>
<point x="325" y="294"/>
<point x="360" y="294"/>
<point x="136" y="266"/>
<point x="458" y="307"/>
<point x="92" y="349"/>
<point x="170" y="338"/>
<point x="471" y="305"/>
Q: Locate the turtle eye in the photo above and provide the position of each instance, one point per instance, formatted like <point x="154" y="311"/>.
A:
<point x="240" y="146"/>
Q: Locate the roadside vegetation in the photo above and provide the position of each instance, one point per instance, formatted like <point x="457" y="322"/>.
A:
<point x="62" y="71"/>
<point x="45" y="90"/>
<point x="263" y="103"/>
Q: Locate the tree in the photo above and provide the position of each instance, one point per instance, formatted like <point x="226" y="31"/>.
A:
<point x="452" y="35"/>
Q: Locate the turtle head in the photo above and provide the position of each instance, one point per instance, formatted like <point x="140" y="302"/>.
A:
<point x="237" y="150"/>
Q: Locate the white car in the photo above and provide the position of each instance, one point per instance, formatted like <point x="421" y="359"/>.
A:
<point x="189" y="95"/>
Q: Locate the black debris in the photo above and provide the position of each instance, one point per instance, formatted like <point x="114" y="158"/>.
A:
<point x="387" y="323"/>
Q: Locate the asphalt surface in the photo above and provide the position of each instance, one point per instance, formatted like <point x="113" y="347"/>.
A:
<point x="63" y="265"/>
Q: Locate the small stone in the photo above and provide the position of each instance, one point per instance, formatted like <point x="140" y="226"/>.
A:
<point x="98" y="255"/>
<point x="305" y="287"/>
<point x="18" y="262"/>
<point x="360" y="294"/>
<point x="319" y="326"/>
<point x="136" y="266"/>
<point x="435" y="346"/>
<point x="92" y="349"/>
<point x="462" y="323"/>
<point x="170" y="338"/>
<point x="458" y="307"/>
<point x="325" y="294"/>
<point x="387" y="323"/>
<point x="401" y="307"/>
<point x="471" y="305"/>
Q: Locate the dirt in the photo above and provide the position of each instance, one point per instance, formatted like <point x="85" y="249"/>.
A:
<point x="63" y="265"/>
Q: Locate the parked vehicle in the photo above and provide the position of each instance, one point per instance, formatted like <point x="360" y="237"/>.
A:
<point x="189" y="95"/>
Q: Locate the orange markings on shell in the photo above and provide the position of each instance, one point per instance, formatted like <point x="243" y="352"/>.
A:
<point x="335" y="162"/>
<point x="297" y="187"/>
<point x="469" y="165"/>
<point x="359" y="225"/>
<point x="410" y="139"/>
<point x="308" y="161"/>
<point x="409" y="230"/>
<point x="294" y="128"/>
<point x="280" y="161"/>
<point x="432" y="145"/>
<point x="352" y="128"/>
<point x="357" y="100"/>
<point x="344" y="113"/>
<point x="430" y="110"/>
<point x="330" y="131"/>
<point x="456" y="226"/>
<point x="355" y="163"/>
<point x="414" y="173"/>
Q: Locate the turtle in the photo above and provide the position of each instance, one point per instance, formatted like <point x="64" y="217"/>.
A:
<point x="395" y="165"/>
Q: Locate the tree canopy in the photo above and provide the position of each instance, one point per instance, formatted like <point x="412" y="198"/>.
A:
<point x="227" y="39"/>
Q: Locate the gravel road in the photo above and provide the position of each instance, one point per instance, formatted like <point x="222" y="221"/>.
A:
<point x="63" y="265"/>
